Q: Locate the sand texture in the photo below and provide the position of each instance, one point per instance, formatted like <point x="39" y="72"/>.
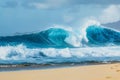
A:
<point x="92" y="72"/>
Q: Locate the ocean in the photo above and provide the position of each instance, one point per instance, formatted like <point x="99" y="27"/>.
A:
<point x="93" y="44"/>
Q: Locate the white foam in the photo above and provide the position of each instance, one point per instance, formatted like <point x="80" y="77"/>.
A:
<point x="73" y="40"/>
<point x="21" y="52"/>
<point x="85" y="26"/>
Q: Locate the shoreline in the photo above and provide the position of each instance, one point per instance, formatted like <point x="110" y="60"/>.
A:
<point x="89" y="72"/>
<point x="23" y="67"/>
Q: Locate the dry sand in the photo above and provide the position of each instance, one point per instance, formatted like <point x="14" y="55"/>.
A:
<point x="93" y="72"/>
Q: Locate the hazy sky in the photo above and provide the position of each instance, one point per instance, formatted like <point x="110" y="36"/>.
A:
<point x="34" y="15"/>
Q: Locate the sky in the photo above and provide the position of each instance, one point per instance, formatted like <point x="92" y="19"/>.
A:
<point x="20" y="16"/>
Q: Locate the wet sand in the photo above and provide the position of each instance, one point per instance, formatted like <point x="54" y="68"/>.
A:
<point x="92" y="72"/>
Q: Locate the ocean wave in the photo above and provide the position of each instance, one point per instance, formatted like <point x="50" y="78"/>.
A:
<point x="53" y="37"/>
<point x="59" y="37"/>
<point x="100" y="35"/>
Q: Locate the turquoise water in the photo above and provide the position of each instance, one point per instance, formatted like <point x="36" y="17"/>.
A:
<point x="58" y="45"/>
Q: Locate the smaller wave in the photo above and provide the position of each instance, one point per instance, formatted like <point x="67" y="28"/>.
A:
<point x="102" y="35"/>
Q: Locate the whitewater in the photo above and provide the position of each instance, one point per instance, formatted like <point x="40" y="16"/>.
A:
<point x="93" y="43"/>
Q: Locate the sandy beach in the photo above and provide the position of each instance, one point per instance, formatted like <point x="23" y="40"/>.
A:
<point x="92" y="72"/>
